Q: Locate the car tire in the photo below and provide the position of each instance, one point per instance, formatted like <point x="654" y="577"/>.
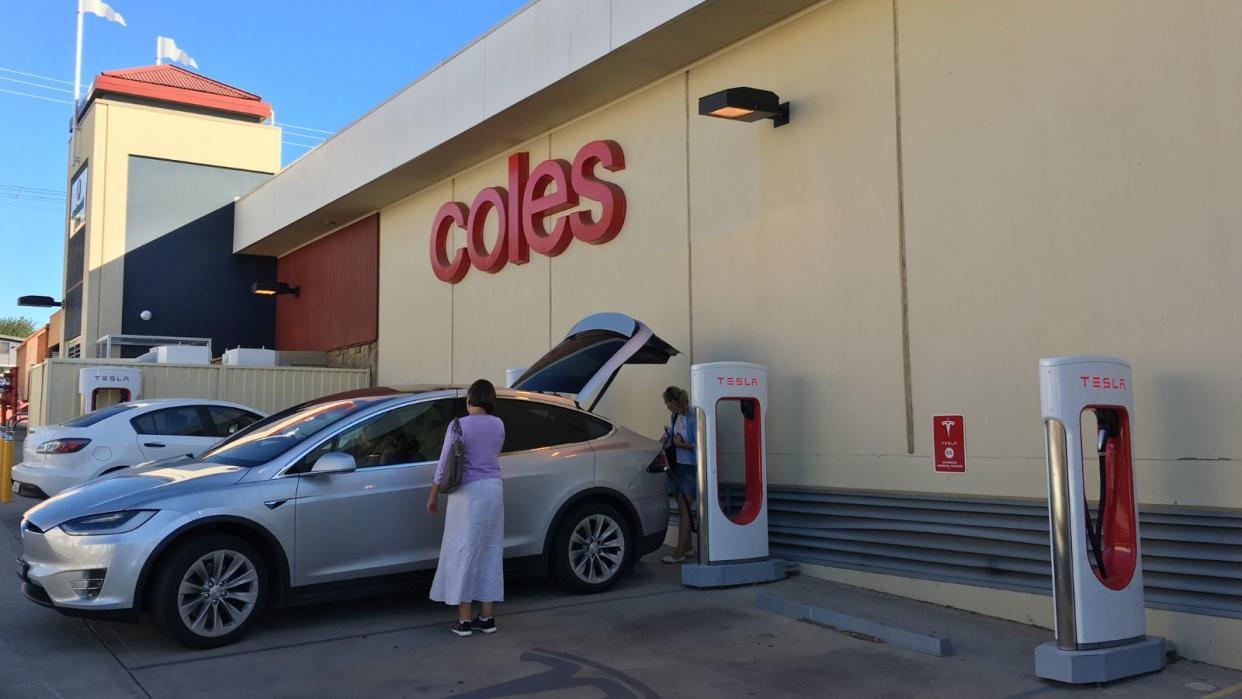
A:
<point x="208" y="590"/>
<point x="592" y="548"/>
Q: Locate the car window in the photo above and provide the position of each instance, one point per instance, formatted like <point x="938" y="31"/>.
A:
<point x="272" y="436"/>
<point x="406" y="435"/>
<point x="570" y="366"/>
<point x="532" y="425"/>
<point x="103" y="414"/>
<point x="229" y="421"/>
<point x="181" y="421"/>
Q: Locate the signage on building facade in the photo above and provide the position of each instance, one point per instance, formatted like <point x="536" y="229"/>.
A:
<point x="77" y="198"/>
<point x="527" y="208"/>
<point x="949" y="443"/>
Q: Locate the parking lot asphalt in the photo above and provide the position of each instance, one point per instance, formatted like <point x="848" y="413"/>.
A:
<point x="648" y="637"/>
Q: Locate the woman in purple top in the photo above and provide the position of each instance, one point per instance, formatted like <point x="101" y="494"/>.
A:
<point x="472" y="549"/>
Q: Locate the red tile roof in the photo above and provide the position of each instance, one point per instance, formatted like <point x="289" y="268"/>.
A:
<point x="169" y="83"/>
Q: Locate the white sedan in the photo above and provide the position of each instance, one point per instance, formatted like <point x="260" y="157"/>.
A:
<point x="56" y="457"/>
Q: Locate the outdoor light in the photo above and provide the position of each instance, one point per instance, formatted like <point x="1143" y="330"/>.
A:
<point x="272" y="289"/>
<point x="37" y="301"/>
<point x="745" y="104"/>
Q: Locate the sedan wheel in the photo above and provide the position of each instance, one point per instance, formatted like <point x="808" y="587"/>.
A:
<point x="207" y="590"/>
<point x="592" y="548"/>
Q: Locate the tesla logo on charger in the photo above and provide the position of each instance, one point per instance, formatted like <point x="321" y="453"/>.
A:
<point x="737" y="381"/>
<point x="1106" y="382"/>
<point x="553" y="187"/>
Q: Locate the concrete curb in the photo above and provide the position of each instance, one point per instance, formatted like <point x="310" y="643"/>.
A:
<point x="902" y="638"/>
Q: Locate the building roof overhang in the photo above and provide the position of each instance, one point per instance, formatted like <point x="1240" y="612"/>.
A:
<point x="174" y="85"/>
<point x="523" y="78"/>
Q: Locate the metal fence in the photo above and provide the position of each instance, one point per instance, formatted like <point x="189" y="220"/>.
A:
<point x="133" y="346"/>
<point x="54" y="395"/>
<point x="1192" y="557"/>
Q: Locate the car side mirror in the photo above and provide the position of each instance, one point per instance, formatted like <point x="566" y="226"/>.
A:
<point x="334" y="462"/>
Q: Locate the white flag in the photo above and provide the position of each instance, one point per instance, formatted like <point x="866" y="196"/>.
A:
<point x="101" y="9"/>
<point x="167" y="48"/>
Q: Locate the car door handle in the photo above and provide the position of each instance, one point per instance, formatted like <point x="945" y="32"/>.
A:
<point x="154" y="445"/>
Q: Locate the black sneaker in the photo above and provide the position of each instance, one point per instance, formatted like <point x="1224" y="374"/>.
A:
<point x="462" y="628"/>
<point x="482" y="625"/>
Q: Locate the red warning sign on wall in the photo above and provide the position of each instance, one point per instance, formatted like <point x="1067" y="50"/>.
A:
<point x="949" y="443"/>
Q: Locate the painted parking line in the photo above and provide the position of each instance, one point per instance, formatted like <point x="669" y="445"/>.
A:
<point x="414" y="627"/>
<point x="1227" y="691"/>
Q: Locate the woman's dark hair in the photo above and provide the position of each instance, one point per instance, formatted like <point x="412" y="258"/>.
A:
<point x="482" y="394"/>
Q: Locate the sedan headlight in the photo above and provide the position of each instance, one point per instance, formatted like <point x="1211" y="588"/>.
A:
<point x="108" y="523"/>
<point x="62" y="446"/>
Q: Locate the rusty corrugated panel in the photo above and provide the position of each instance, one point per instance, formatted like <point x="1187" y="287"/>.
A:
<point x="173" y="76"/>
<point x="338" y="278"/>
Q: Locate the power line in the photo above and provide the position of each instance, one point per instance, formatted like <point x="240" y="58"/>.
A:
<point x="284" y="125"/>
<point x="300" y="145"/>
<point x="33" y="84"/>
<point x="38" y="97"/>
<point x="35" y="75"/>
<point x="27" y="188"/>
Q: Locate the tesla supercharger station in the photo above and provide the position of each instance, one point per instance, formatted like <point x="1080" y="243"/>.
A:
<point x="103" y="386"/>
<point x="730" y="401"/>
<point x="1097" y="572"/>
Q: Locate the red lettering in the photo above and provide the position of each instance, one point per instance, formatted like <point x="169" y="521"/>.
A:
<point x="446" y="270"/>
<point x="519" y="167"/>
<point x="538" y="202"/>
<point x="1122" y="383"/>
<point x="553" y="187"/>
<point x="610" y="196"/>
<point x="1084" y="380"/>
<point x="491" y="262"/>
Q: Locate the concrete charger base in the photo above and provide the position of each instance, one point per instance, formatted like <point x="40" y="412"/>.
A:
<point x="729" y="574"/>
<point x="1100" y="664"/>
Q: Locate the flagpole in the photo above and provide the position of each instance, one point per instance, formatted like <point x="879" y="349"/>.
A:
<point x="77" y="66"/>
<point x="157" y="51"/>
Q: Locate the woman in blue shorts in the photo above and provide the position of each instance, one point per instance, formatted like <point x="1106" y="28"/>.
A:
<point x="682" y="472"/>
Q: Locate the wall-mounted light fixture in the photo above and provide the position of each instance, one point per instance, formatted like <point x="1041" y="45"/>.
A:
<point x="38" y="301"/>
<point x="745" y="104"/>
<point x="273" y="289"/>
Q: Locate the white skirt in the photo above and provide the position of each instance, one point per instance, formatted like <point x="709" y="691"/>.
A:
<point x="472" y="550"/>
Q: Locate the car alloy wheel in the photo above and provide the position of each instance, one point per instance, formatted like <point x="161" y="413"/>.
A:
<point x="208" y="589"/>
<point x="597" y="549"/>
<point x="218" y="592"/>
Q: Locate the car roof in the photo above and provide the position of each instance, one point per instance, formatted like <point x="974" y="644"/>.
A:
<point x="167" y="402"/>
<point x="448" y="389"/>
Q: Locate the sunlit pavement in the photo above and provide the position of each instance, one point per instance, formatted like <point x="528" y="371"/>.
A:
<point x="649" y="637"/>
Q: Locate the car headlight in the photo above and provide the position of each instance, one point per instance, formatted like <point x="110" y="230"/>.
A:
<point x="108" y="523"/>
<point x="62" y="446"/>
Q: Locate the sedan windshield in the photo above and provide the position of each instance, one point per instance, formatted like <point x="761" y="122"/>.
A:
<point x="267" y="439"/>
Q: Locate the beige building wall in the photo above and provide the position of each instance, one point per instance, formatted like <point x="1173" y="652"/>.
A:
<point x="1057" y="177"/>
<point x="1071" y="186"/>
<point x="110" y="132"/>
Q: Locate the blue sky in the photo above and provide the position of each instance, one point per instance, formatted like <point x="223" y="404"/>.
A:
<point x="319" y="63"/>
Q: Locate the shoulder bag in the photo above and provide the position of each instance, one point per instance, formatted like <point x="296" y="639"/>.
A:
<point x="455" y="461"/>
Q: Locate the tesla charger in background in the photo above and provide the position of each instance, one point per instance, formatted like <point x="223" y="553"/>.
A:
<point x="730" y="401"/>
<point x="1097" y="573"/>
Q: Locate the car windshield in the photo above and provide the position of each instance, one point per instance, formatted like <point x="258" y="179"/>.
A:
<point x="102" y="414"/>
<point x="267" y="439"/>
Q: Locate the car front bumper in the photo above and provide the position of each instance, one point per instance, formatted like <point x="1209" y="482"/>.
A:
<point x="64" y="571"/>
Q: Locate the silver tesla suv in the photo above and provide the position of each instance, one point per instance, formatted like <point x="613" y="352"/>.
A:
<point x="326" y="499"/>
